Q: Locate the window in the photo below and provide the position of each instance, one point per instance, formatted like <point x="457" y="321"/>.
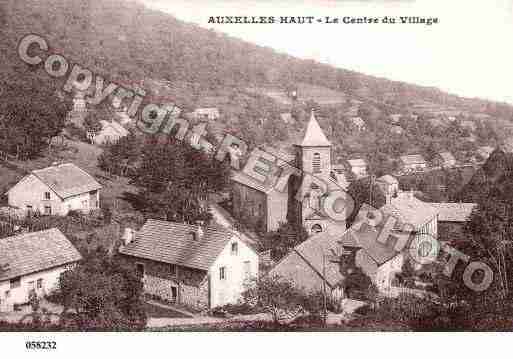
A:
<point x="222" y="273"/>
<point x="173" y="270"/>
<point x="48" y="210"/>
<point x="316" y="163"/>
<point x="15" y="282"/>
<point x="7" y="293"/>
<point x="40" y="283"/>
<point x="247" y="268"/>
<point x="85" y="203"/>
<point x="174" y="294"/>
<point x="235" y="248"/>
<point x="29" y="210"/>
<point x="193" y="236"/>
<point x="139" y="268"/>
<point x="46" y="196"/>
<point x="316" y="228"/>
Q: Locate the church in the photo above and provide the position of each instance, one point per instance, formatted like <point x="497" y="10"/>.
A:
<point x="264" y="207"/>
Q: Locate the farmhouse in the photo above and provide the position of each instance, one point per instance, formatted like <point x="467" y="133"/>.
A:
<point x="413" y="162"/>
<point x="111" y="132"/>
<point x="447" y="160"/>
<point x="55" y="190"/>
<point x="31" y="263"/>
<point x="202" y="267"/>
<point x="451" y="220"/>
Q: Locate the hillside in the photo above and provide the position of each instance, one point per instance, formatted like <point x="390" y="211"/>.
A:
<point x="183" y="63"/>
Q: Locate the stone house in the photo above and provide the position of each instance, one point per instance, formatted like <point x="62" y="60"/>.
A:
<point x="55" y="190"/>
<point x="32" y="263"/>
<point x="201" y="267"/>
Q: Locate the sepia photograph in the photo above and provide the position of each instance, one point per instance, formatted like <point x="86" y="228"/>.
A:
<point x="325" y="168"/>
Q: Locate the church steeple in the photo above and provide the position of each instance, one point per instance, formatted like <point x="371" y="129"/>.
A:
<point x="314" y="136"/>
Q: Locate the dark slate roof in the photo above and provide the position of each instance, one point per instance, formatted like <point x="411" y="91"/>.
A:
<point x="67" y="180"/>
<point x="34" y="252"/>
<point x="171" y="242"/>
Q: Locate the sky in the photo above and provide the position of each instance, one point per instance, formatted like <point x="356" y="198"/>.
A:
<point x="468" y="53"/>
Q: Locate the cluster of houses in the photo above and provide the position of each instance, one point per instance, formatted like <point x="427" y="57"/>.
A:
<point x="208" y="266"/>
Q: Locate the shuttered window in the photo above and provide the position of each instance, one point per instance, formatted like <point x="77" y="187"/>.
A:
<point x="316" y="163"/>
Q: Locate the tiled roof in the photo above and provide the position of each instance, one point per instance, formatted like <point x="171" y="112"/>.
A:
<point x="315" y="248"/>
<point x="454" y="212"/>
<point x="412" y="159"/>
<point x="314" y="136"/>
<point x="410" y="210"/>
<point x="67" y="180"/>
<point x="34" y="252"/>
<point x="278" y="153"/>
<point x="171" y="242"/>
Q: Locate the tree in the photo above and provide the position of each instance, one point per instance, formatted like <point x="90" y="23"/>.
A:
<point x="276" y="296"/>
<point x="175" y="180"/>
<point x="31" y="116"/>
<point x="281" y="241"/>
<point x="103" y="294"/>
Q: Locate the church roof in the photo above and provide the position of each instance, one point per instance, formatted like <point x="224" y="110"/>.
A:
<point x="314" y="136"/>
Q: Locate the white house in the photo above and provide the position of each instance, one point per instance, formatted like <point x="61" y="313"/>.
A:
<point x="358" y="123"/>
<point x="55" y="190"/>
<point x="358" y="167"/>
<point x="32" y="263"/>
<point x="203" y="267"/>
<point x="413" y="162"/>
<point x="111" y="132"/>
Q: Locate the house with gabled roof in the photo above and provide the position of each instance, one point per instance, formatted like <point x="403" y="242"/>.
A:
<point x="358" y="167"/>
<point x="485" y="151"/>
<point x="31" y="263"/>
<point x="446" y="159"/>
<point x="313" y="263"/>
<point x="111" y="132"/>
<point x="56" y="190"/>
<point x="199" y="266"/>
<point x="413" y="163"/>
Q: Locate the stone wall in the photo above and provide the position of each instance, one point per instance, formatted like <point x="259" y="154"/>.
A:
<point x="192" y="285"/>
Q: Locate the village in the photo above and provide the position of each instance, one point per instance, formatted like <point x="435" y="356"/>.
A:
<point x="198" y="271"/>
<point x="163" y="170"/>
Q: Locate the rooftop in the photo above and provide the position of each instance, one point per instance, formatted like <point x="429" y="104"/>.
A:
<point x="454" y="212"/>
<point x="314" y="136"/>
<point x="410" y="210"/>
<point x="34" y="252"/>
<point x="67" y="180"/>
<point x="412" y="159"/>
<point x="171" y="242"/>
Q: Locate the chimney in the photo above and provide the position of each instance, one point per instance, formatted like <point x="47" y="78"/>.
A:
<point x="128" y="236"/>
<point x="199" y="230"/>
